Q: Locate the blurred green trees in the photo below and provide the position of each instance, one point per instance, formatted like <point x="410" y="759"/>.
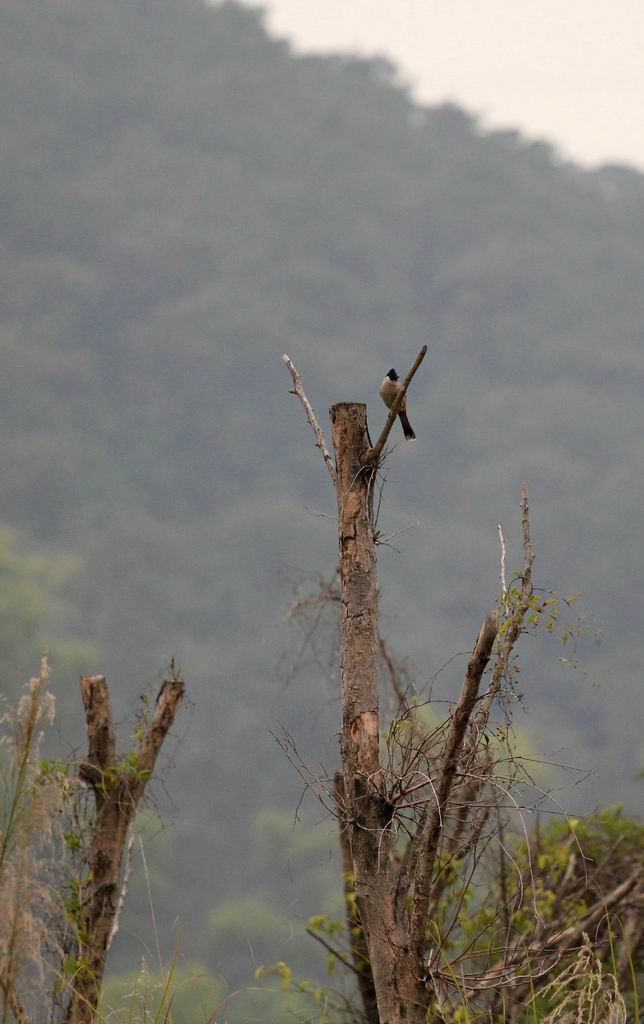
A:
<point x="35" y="611"/>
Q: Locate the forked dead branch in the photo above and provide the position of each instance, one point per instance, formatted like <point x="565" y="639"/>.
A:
<point x="118" y="785"/>
<point x="63" y="834"/>
<point x="420" y="806"/>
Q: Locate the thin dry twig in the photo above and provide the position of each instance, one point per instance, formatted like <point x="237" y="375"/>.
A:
<point x="334" y="952"/>
<point x="394" y="671"/>
<point x="504" y="588"/>
<point x="310" y="414"/>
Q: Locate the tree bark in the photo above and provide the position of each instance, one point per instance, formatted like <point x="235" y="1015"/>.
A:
<point x="367" y="817"/>
<point x="118" y="788"/>
<point x="355" y="928"/>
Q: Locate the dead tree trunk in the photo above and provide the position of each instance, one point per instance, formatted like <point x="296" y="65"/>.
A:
<point x="355" y="928"/>
<point x="402" y="996"/>
<point x="395" y="943"/>
<point x="118" y="786"/>
<point x="397" y="896"/>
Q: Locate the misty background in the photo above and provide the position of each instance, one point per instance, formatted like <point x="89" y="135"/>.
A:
<point x="185" y="199"/>
<point x="570" y="73"/>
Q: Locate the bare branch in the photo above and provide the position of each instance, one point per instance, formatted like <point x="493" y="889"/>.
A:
<point x="513" y="630"/>
<point x="310" y="414"/>
<point x="393" y="671"/>
<point x="427" y="839"/>
<point x="469" y="805"/>
<point x="372" y="456"/>
<point x="167" y="702"/>
<point x="118" y="788"/>
<point x="334" y="952"/>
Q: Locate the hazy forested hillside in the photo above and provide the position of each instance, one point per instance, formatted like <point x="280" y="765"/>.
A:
<point x="183" y="200"/>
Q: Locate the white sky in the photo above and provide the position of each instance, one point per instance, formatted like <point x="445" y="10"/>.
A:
<point x="569" y="71"/>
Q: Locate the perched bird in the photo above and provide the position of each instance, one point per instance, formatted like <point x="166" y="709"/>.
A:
<point x="389" y="388"/>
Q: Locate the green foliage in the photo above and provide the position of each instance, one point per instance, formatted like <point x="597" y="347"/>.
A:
<point x="257" y="918"/>
<point x="129" y="764"/>
<point x="22" y="605"/>
<point x="278" y="838"/>
<point x="247" y="919"/>
<point x="596" y="834"/>
<point x="34" y="596"/>
<point x="521" y="895"/>
<point x="568" y="866"/>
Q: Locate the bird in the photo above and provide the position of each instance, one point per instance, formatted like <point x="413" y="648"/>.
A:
<point x="389" y="388"/>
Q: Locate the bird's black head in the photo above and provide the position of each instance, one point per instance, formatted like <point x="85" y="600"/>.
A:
<point x="392" y="375"/>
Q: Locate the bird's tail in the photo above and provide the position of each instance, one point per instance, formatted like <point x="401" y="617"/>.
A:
<point x="407" y="428"/>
